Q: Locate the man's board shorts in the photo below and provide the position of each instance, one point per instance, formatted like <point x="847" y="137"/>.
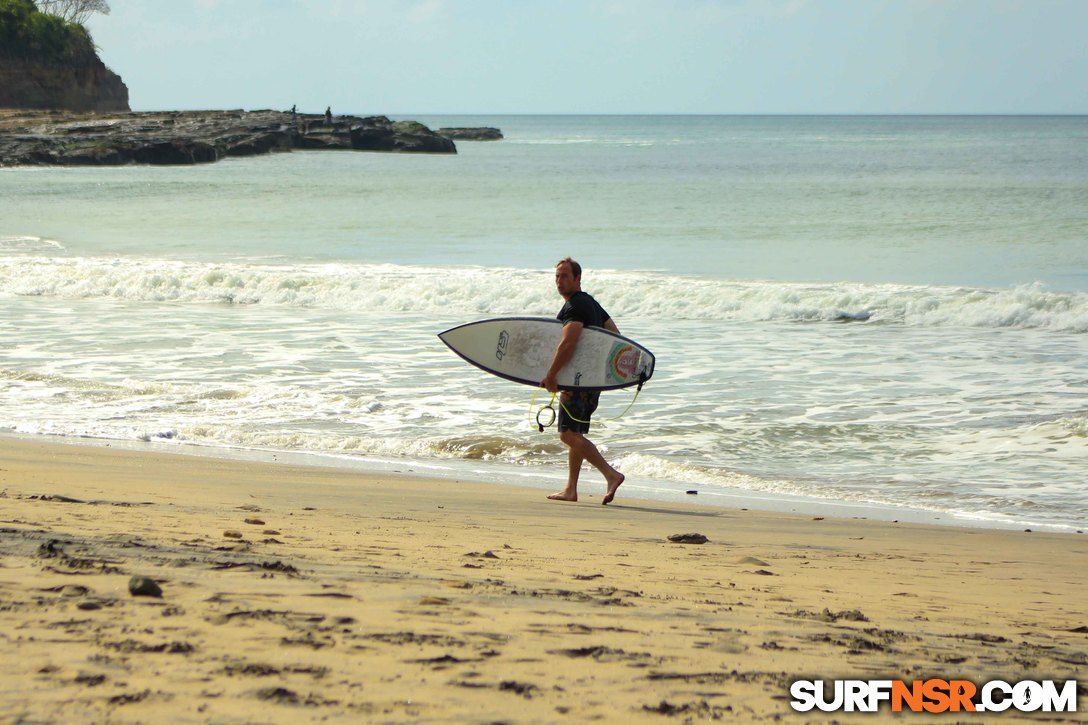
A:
<point x="574" y="414"/>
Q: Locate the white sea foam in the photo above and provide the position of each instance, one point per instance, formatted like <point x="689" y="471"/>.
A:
<point x="656" y="467"/>
<point x="31" y="245"/>
<point x="472" y="290"/>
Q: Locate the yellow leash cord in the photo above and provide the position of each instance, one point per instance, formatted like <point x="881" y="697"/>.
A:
<point x="551" y="406"/>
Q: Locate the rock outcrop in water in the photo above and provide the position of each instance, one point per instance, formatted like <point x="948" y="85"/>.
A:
<point x="476" y="133"/>
<point x="193" y="137"/>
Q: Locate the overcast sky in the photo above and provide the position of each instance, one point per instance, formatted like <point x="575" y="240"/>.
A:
<point x="399" y="57"/>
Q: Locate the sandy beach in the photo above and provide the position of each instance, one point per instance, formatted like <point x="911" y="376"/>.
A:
<point x="302" y="594"/>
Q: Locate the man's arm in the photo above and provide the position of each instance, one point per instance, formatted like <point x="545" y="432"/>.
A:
<point x="563" y="353"/>
<point x="611" y="326"/>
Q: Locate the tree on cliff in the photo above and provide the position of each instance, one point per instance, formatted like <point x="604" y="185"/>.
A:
<point x="74" y="11"/>
<point x="29" y="35"/>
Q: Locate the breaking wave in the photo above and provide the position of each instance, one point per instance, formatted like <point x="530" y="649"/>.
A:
<point x="473" y="290"/>
<point x="33" y="245"/>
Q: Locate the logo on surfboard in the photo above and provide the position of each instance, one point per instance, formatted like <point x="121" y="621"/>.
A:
<point x="623" y="362"/>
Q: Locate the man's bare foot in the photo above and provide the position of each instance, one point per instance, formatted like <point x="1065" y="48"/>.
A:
<point x="564" y="496"/>
<point x="613" y="486"/>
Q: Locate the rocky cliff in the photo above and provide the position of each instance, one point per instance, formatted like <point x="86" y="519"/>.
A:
<point x="192" y="137"/>
<point x="85" y="87"/>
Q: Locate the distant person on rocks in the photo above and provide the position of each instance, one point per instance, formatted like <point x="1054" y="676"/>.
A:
<point x="328" y="116"/>
<point x="576" y="406"/>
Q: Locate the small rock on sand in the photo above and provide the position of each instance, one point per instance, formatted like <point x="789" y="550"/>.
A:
<point x="688" y="539"/>
<point x="142" y="586"/>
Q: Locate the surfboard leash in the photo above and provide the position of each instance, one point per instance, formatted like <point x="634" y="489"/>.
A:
<point x="641" y="382"/>
<point x="551" y="407"/>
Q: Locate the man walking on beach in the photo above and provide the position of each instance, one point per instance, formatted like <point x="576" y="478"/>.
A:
<point x="576" y="407"/>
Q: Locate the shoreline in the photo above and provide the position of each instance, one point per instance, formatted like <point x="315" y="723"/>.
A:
<point x="294" y="592"/>
<point x="550" y="478"/>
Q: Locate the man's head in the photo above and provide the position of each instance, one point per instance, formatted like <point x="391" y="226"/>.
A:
<point x="568" y="277"/>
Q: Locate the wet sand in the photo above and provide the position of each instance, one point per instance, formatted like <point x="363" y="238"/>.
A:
<point x="302" y="594"/>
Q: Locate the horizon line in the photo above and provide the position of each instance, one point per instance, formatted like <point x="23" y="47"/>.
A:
<point x="746" y="114"/>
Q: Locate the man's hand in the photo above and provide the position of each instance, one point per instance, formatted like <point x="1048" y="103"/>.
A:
<point x="549" y="383"/>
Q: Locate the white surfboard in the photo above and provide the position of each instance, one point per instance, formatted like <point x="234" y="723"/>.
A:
<point x="521" y="349"/>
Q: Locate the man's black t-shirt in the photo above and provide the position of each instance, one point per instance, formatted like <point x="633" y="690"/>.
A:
<point x="581" y="307"/>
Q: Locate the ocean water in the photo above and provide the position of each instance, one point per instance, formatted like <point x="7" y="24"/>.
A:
<point x="884" y="312"/>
